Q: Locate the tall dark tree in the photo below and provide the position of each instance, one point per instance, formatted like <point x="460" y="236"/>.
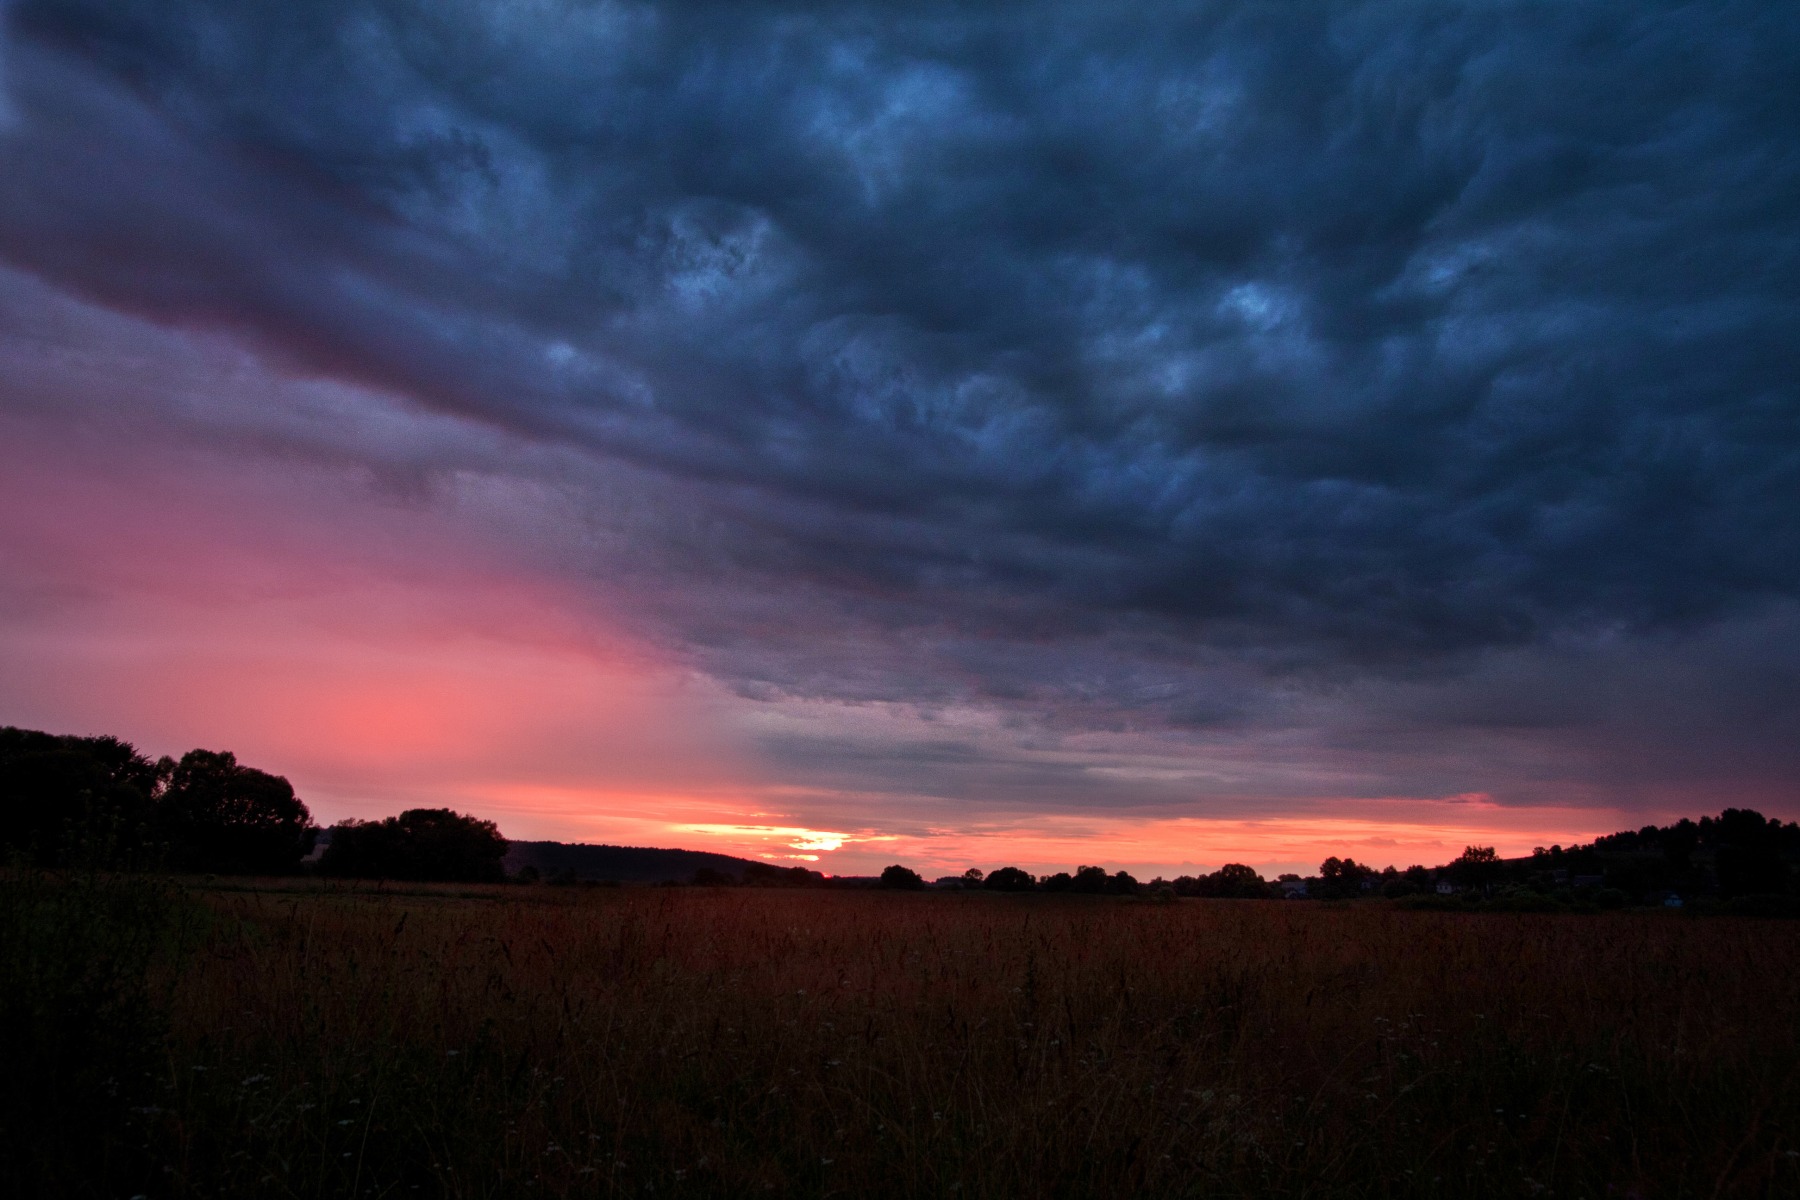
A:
<point x="218" y="815"/>
<point x="1121" y="883"/>
<point x="1476" y="866"/>
<point x="1009" y="879"/>
<point x="901" y="878"/>
<point x="1233" y="881"/>
<point x="65" y="798"/>
<point x="419" y="844"/>
<point x="1236" y="879"/>
<point x="1747" y="856"/>
<point x="1342" y="878"/>
<point x="1091" y="880"/>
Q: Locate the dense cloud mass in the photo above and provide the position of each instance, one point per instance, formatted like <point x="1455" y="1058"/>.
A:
<point x="1395" y="373"/>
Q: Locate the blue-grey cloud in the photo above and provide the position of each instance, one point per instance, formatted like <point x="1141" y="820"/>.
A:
<point x="1138" y="366"/>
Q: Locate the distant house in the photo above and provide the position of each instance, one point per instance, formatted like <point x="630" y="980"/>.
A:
<point x="1589" y="880"/>
<point x="1672" y="901"/>
<point x="1293" y="889"/>
<point x="1445" y="887"/>
<point x="320" y="845"/>
<point x="1560" y="875"/>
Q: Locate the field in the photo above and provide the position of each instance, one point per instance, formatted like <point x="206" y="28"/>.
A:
<point x="694" y="1042"/>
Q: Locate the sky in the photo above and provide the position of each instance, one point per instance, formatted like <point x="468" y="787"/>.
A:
<point x="1154" y="436"/>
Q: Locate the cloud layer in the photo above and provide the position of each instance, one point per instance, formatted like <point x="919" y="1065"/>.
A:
<point x="1359" y="400"/>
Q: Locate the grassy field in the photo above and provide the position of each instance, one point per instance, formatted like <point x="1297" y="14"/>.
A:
<point x="692" y="1042"/>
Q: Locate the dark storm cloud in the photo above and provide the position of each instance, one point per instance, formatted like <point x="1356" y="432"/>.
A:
<point x="1116" y="361"/>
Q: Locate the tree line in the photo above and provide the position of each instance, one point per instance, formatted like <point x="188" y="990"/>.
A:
<point x="1739" y="856"/>
<point x="68" y="801"/>
<point x="96" y="801"/>
<point x="1234" y="880"/>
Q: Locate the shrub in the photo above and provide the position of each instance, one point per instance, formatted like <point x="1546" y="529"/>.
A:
<point x="903" y="878"/>
<point x="419" y="844"/>
<point x="1121" y="883"/>
<point x="1009" y="879"/>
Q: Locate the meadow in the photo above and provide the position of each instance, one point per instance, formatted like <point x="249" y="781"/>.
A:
<point x="290" y="1040"/>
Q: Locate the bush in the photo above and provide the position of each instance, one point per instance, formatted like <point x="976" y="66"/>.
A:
<point x="711" y="877"/>
<point x="1231" y="881"/>
<point x="770" y="875"/>
<point x="1091" y="880"/>
<point x="419" y="844"/>
<point x="902" y="878"/>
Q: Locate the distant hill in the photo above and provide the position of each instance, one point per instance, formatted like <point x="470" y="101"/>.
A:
<point x="626" y="864"/>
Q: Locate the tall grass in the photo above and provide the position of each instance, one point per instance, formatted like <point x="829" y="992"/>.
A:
<point x="689" y="1042"/>
<point x="81" y="1035"/>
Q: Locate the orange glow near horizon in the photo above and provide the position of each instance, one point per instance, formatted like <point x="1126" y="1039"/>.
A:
<point x="1428" y="832"/>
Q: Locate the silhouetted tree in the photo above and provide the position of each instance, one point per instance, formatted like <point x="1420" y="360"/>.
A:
<point x="218" y="815"/>
<point x="1009" y="879"/>
<point x="419" y="844"/>
<point x="1237" y="881"/>
<point x="902" y="878"/>
<point x="972" y="877"/>
<point x="1476" y="866"/>
<point x="1061" y="881"/>
<point x="1231" y="881"/>
<point x="1121" y="883"/>
<point x="1091" y="880"/>
<point x="64" y="798"/>
<point x="1747" y="858"/>
<point x="1679" y="841"/>
<point x="1342" y="878"/>
<point x="769" y="875"/>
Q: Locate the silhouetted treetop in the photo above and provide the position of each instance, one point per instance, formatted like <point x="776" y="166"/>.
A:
<point x="1009" y="879"/>
<point x="902" y="878"/>
<point x="60" y="795"/>
<point x="770" y="875"/>
<point x="222" y="816"/>
<point x="98" y="798"/>
<point x="419" y="844"/>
